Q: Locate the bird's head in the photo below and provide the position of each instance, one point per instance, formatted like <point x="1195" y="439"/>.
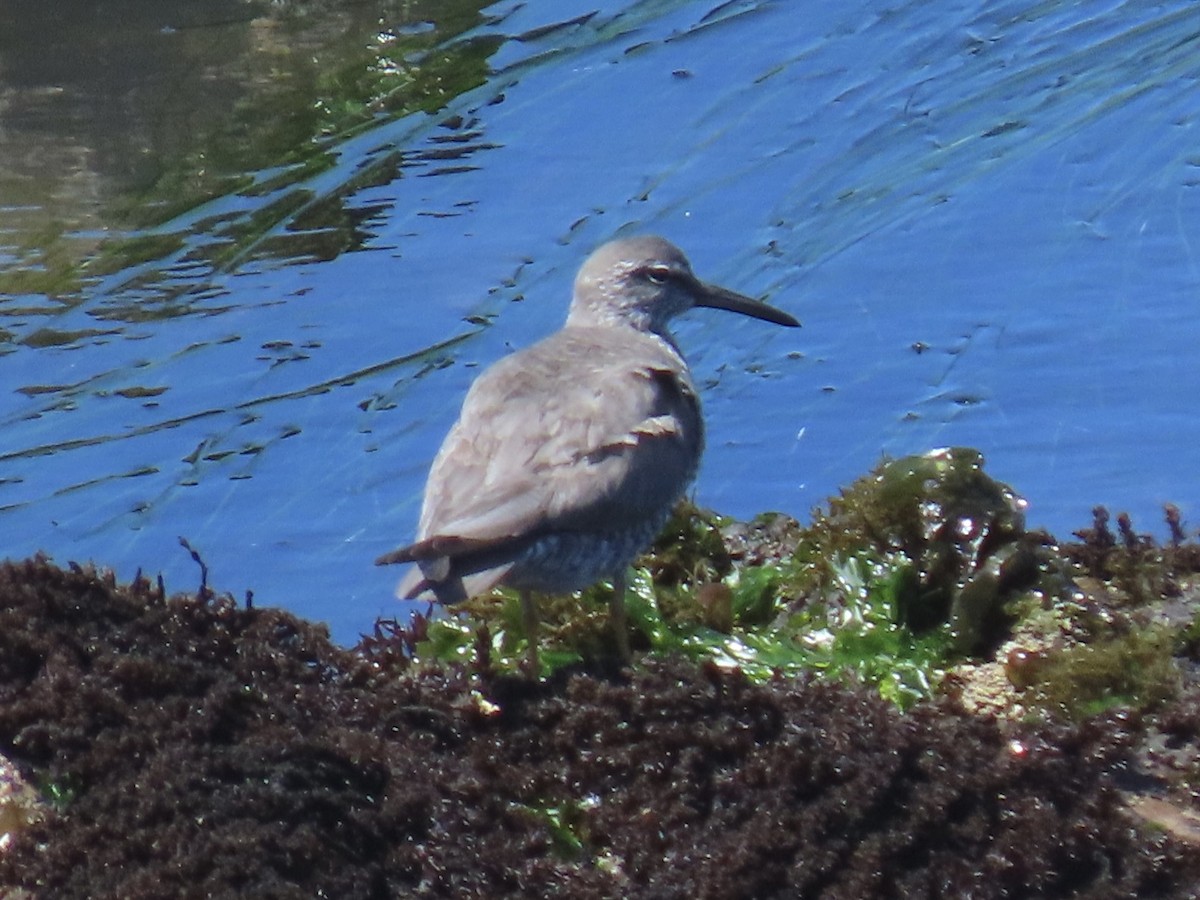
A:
<point x="644" y="282"/>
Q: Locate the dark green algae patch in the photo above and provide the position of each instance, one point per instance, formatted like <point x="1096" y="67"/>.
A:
<point x="762" y="746"/>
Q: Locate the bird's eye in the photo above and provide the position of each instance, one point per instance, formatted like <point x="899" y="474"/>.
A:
<point x="657" y="274"/>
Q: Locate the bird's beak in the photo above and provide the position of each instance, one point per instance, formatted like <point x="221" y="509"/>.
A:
<point x="719" y="298"/>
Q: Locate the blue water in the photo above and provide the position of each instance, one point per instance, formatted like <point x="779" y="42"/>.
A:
<point x="987" y="216"/>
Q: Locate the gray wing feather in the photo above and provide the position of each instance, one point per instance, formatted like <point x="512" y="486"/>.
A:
<point x="579" y="431"/>
<point x="588" y="430"/>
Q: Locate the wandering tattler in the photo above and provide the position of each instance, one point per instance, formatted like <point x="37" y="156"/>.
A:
<point x="569" y="455"/>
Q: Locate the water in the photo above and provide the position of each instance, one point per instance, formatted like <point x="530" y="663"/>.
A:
<point x="251" y="261"/>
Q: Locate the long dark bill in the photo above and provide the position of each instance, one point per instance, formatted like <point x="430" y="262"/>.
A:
<point x="719" y="298"/>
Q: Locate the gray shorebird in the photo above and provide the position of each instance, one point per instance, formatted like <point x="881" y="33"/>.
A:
<point x="568" y="456"/>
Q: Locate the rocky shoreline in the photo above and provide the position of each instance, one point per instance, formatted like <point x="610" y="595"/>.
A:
<point x="166" y="746"/>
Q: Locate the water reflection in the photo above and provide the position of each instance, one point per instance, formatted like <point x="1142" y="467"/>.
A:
<point x="150" y="131"/>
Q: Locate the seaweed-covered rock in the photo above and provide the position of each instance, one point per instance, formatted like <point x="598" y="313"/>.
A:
<point x="198" y="748"/>
<point x="956" y="535"/>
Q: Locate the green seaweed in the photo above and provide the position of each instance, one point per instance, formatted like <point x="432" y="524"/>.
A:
<point x="1135" y="670"/>
<point x="566" y="821"/>
<point x="909" y="570"/>
<point x="919" y="566"/>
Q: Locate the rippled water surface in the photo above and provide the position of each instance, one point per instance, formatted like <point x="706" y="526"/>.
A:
<point x="251" y="255"/>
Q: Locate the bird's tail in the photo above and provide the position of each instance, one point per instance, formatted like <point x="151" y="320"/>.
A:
<point x="451" y="569"/>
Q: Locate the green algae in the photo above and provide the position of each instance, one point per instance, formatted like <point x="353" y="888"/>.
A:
<point x="887" y="588"/>
<point x="1135" y="670"/>
<point x="921" y="567"/>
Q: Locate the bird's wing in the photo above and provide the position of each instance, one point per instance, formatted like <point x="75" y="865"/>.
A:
<point x="583" y="429"/>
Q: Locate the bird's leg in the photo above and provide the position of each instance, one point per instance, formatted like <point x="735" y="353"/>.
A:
<point x="529" y="616"/>
<point x="616" y="616"/>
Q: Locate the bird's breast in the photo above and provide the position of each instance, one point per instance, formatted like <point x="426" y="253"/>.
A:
<point x="567" y="561"/>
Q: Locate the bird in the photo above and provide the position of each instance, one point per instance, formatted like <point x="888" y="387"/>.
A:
<point x="569" y="455"/>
